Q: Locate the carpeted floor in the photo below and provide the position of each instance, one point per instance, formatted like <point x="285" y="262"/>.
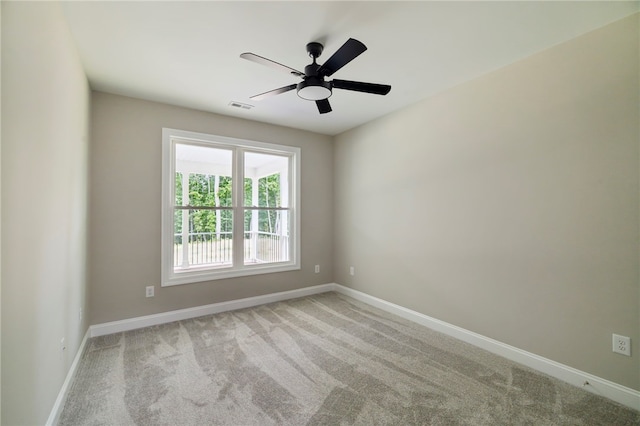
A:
<point x="320" y="360"/>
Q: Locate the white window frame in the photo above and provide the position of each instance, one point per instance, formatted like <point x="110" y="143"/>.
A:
<point x="170" y="137"/>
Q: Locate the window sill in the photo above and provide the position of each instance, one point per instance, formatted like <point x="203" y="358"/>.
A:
<point x="195" y="276"/>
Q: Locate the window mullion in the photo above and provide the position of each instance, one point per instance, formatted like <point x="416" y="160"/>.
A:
<point x="237" y="197"/>
<point x="186" y="229"/>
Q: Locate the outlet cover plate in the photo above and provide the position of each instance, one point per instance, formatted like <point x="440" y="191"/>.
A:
<point x="622" y="345"/>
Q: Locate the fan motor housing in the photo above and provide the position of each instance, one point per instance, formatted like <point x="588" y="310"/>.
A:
<point x="311" y="70"/>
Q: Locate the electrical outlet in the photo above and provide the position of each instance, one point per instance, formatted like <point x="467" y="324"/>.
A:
<point x="62" y="344"/>
<point x="317" y="269"/>
<point x="150" y="291"/>
<point x="80" y="315"/>
<point x="622" y="345"/>
<point x="352" y="270"/>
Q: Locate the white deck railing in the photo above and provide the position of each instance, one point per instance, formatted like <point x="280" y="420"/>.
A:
<point x="211" y="248"/>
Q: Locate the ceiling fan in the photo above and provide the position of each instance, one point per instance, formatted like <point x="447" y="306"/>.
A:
<point x="313" y="86"/>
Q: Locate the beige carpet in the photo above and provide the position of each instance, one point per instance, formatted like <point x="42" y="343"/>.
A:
<point x="325" y="359"/>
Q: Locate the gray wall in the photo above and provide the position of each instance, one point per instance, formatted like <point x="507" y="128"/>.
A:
<point x="508" y="205"/>
<point x="125" y="200"/>
<point x="45" y="121"/>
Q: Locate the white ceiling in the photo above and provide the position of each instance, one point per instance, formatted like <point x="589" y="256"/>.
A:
<point x="187" y="53"/>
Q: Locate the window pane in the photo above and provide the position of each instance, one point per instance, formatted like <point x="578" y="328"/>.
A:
<point x="207" y="172"/>
<point x="268" y="174"/>
<point x="248" y="190"/>
<point x="208" y="236"/>
<point x="266" y="236"/>
<point x="178" y="189"/>
<point x="209" y="190"/>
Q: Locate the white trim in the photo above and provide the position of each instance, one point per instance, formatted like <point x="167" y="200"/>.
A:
<point x="599" y="386"/>
<point x="54" y="415"/>
<point x="198" y="311"/>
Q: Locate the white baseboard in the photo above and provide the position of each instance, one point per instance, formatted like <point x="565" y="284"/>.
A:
<point x="54" y="415"/>
<point x="199" y="311"/>
<point x="599" y="386"/>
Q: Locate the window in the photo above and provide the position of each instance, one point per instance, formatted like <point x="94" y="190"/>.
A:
<point x="229" y="207"/>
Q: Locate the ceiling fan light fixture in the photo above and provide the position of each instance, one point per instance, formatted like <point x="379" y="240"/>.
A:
<point x="314" y="89"/>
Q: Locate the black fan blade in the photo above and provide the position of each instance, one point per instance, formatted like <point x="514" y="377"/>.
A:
<point x="268" y="62"/>
<point x="347" y="53"/>
<point x="324" y="106"/>
<point x="284" y="89"/>
<point x="358" y="86"/>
